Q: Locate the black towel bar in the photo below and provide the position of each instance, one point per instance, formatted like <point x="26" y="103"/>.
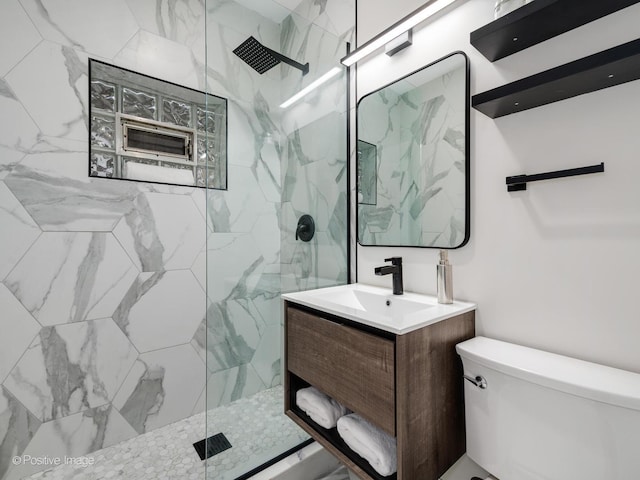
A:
<point x="519" y="182"/>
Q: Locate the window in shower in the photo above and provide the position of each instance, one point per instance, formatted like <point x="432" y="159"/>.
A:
<point x="146" y="129"/>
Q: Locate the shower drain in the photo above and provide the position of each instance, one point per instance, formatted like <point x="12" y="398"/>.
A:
<point x="211" y="446"/>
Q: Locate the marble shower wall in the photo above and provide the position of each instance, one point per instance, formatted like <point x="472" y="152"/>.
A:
<point x="314" y="174"/>
<point x="282" y="164"/>
<point x="102" y="282"/>
<point x="421" y="165"/>
<point x="100" y="288"/>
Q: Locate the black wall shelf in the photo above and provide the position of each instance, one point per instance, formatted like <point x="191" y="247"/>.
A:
<point x="539" y="21"/>
<point x="605" y="69"/>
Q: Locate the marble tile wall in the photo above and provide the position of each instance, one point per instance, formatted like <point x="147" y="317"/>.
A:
<point x="102" y="282"/>
<point x="291" y="162"/>
<point x="314" y="169"/>
<point x="99" y="300"/>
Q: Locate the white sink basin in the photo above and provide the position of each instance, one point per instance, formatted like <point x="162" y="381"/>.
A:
<point x="381" y="303"/>
<point x="378" y="307"/>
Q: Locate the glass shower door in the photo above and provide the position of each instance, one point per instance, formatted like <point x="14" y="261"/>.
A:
<point x="281" y="164"/>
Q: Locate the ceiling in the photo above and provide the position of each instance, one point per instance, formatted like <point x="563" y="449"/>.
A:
<point x="275" y="10"/>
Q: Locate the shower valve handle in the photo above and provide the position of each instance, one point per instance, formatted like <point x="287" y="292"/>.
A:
<point x="306" y="228"/>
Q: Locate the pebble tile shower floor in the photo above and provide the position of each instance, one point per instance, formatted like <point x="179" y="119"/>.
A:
<point x="255" y="427"/>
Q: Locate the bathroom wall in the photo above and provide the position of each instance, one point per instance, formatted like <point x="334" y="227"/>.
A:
<point x="102" y="282"/>
<point x="556" y="266"/>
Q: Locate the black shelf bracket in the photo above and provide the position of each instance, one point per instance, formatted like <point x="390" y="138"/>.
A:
<point x="519" y="182"/>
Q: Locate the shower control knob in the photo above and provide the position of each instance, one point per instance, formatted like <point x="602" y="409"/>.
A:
<point x="306" y="228"/>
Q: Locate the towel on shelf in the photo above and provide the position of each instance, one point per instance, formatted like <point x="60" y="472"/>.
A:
<point x="321" y="408"/>
<point x="156" y="173"/>
<point x="370" y="442"/>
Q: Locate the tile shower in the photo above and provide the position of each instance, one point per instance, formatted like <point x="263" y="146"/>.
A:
<point x="102" y="283"/>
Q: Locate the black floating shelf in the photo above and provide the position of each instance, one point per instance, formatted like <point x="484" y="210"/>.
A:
<point x="538" y="21"/>
<point x="605" y="69"/>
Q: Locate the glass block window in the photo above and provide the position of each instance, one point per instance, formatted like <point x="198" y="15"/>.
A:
<point x="139" y="104"/>
<point x="102" y="165"/>
<point x="103" y="132"/>
<point x="177" y="112"/>
<point x="103" y="95"/>
<point x="146" y="129"/>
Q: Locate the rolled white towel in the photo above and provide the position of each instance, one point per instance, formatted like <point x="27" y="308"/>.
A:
<point x="321" y="408"/>
<point x="371" y="443"/>
<point x="156" y="173"/>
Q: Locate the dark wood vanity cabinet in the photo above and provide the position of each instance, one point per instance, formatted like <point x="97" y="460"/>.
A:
<point x="409" y="385"/>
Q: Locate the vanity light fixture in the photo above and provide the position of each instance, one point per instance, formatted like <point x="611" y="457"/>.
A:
<point x="395" y="30"/>
<point x="312" y="86"/>
<point x="399" y="43"/>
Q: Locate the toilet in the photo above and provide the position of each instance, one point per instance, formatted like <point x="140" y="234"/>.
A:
<point x="534" y="415"/>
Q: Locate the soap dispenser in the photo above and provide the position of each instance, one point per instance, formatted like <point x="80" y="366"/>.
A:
<point x="445" y="279"/>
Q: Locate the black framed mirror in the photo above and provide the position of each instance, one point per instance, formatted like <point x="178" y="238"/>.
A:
<point x="414" y="192"/>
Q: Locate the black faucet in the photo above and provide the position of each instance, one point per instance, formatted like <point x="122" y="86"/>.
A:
<point x="396" y="270"/>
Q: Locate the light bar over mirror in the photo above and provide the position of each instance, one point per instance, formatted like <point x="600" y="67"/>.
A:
<point x="407" y="23"/>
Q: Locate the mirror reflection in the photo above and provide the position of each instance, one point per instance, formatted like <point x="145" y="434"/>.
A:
<point x="413" y="159"/>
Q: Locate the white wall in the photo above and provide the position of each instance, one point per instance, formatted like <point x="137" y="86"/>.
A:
<point x="556" y="267"/>
<point x="373" y="16"/>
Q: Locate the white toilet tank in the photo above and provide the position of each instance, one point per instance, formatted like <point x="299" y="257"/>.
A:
<point x="544" y="416"/>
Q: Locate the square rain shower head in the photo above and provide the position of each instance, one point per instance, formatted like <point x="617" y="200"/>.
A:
<point x="256" y="55"/>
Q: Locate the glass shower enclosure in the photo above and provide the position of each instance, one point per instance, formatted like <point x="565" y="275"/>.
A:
<point x="281" y="164"/>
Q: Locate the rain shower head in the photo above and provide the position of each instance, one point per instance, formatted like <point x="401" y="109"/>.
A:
<point x="263" y="59"/>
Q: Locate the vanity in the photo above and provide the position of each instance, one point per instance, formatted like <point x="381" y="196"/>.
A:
<point x="389" y="358"/>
